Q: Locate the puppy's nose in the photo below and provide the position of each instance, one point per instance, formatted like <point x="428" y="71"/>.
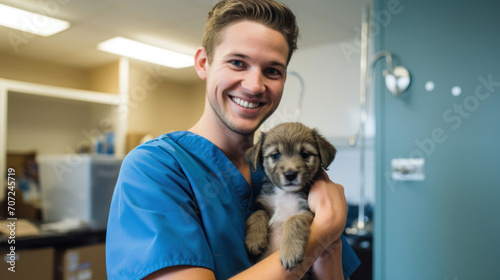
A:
<point x="290" y="175"/>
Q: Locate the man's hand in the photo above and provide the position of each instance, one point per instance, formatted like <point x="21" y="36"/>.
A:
<point x="327" y="201"/>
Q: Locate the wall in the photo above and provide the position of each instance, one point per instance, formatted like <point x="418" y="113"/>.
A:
<point x="158" y="104"/>
<point x="331" y="79"/>
<point x="47" y="125"/>
<point x="446" y="226"/>
<point x="37" y="71"/>
<point x="103" y="78"/>
<point x="331" y="74"/>
<point x="51" y="125"/>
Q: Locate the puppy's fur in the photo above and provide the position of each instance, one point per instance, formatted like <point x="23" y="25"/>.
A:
<point x="292" y="155"/>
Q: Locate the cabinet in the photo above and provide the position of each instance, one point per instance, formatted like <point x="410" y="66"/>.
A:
<point x="55" y="108"/>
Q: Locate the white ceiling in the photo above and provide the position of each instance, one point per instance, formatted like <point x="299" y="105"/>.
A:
<point x="172" y="24"/>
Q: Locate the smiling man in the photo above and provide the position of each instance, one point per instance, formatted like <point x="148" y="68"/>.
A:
<point x="245" y="77"/>
<point x="182" y="200"/>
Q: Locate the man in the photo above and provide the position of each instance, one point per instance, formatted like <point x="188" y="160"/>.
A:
<point x="181" y="201"/>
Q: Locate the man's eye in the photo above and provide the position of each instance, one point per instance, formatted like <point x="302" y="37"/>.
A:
<point x="237" y="63"/>
<point x="273" y="71"/>
<point x="276" y="155"/>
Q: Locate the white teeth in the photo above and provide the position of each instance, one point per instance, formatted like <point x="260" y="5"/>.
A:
<point x="245" y="104"/>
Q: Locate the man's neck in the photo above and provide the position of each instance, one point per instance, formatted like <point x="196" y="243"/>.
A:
<point x="232" y="144"/>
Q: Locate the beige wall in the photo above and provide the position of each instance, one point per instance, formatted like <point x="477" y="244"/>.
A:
<point x="158" y="104"/>
<point x="105" y="78"/>
<point x="35" y="71"/>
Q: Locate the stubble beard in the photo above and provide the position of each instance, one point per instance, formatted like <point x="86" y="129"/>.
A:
<point x="227" y="122"/>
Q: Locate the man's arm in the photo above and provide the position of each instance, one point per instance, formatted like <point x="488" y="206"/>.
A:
<point x="329" y="264"/>
<point x="182" y="272"/>
<point x="268" y="268"/>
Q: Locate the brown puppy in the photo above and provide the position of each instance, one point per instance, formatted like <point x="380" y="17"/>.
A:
<point x="292" y="155"/>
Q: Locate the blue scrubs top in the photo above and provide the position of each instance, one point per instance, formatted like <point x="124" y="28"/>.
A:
<point x="180" y="201"/>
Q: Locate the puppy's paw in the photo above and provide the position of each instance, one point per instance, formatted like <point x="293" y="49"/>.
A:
<point x="257" y="232"/>
<point x="291" y="256"/>
<point x="256" y="242"/>
<point x="295" y="235"/>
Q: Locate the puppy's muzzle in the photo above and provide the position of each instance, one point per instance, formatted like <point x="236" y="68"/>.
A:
<point x="291" y="175"/>
<point x="291" y="181"/>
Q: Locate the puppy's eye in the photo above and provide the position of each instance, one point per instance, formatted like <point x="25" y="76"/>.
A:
<point x="305" y="155"/>
<point x="276" y="155"/>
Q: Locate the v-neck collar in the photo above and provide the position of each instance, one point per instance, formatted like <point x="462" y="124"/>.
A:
<point x="205" y="149"/>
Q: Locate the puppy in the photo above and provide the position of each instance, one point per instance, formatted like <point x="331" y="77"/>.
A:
<point x="292" y="155"/>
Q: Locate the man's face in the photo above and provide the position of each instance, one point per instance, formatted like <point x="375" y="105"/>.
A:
<point x="246" y="76"/>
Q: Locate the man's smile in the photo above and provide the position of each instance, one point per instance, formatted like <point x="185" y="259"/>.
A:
<point x="244" y="103"/>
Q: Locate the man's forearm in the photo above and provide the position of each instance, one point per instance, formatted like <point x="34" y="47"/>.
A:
<point x="271" y="267"/>
<point x="329" y="265"/>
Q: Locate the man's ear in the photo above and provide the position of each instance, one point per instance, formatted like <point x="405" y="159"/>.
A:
<point x="201" y="63"/>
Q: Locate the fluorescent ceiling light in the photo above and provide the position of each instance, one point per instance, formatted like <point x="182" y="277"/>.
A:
<point x="30" y="22"/>
<point x="140" y="51"/>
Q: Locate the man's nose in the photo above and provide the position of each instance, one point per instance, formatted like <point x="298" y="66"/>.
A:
<point x="253" y="82"/>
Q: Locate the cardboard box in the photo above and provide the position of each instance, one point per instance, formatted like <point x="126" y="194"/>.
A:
<point x="82" y="263"/>
<point x="26" y="168"/>
<point x="19" y="162"/>
<point x="29" y="264"/>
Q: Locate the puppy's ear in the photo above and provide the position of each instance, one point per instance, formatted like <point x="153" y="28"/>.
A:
<point x="326" y="150"/>
<point x="254" y="154"/>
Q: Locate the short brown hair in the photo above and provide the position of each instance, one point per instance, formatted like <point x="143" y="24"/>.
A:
<point x="272" y="14"/>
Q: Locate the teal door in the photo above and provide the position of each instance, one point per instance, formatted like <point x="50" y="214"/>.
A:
<point x="446" y="227"/>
